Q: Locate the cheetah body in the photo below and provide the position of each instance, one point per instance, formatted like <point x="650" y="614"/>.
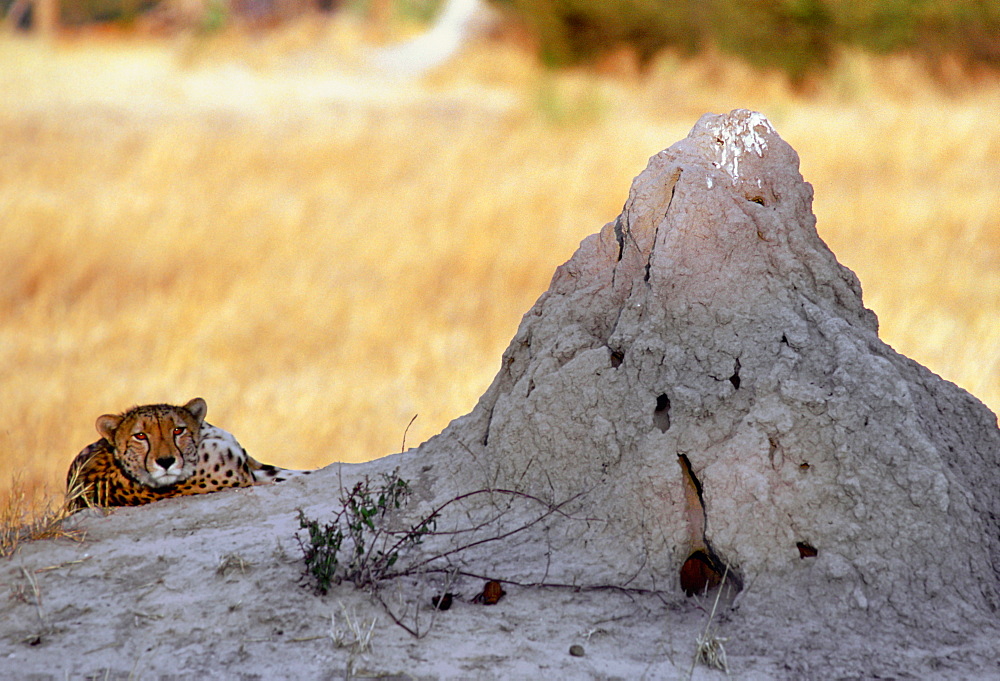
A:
<point x="156" y="452"/>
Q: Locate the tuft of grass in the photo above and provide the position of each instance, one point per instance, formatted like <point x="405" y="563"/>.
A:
<point x="353" y="633"/>
<point x="25" y="517"/>
<point x="232" y="562"/>
<point x="709" y="650"/>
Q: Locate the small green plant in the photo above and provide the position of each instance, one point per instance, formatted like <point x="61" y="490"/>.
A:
<point x="357" y="545"/>
<point x="320" y="550"/>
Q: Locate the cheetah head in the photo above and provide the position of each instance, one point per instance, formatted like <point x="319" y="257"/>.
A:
<point x="156" y="445"/>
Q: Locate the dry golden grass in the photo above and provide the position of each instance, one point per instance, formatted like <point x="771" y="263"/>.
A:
<point x="321" y="256"/>
<point x="26" y="515"/>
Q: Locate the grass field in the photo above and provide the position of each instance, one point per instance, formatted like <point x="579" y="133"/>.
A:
<point x="322" y="254"/>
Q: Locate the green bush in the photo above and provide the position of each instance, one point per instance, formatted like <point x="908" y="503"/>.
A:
<point x="74" y="12"/>
<point x="796" y="36"/>
<point x="969" y="29"/>
<point x="573" y="31"/>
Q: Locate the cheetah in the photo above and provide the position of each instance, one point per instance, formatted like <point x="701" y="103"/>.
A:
<point x="158" y="451"/>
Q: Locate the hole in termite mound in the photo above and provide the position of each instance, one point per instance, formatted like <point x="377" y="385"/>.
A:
<point x="661" y="414"/>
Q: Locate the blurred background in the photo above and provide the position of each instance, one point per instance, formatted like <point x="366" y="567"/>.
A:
<point x="328" y="216"/>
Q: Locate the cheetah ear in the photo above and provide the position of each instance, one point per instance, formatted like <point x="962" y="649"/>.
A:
<point x="107" y="425"/>
<point x="198" y="408"/>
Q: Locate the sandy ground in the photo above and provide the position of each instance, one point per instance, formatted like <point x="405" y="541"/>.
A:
<point x="212" y="587"/>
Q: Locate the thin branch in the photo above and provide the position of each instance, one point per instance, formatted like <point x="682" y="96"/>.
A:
<point x="548" y="585"/>
<point x="504" y="535"/>
<point x="420" y="528"/>
<point x="407" y="430"/>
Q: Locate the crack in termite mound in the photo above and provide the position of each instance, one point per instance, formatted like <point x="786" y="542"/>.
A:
<point x="703" y="569"/>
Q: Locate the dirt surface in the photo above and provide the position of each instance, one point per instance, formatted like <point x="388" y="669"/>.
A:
<point x="213" y="587"/>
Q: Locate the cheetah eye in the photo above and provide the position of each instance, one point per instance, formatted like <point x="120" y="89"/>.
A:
<point x="140" y="436"/>
<point x="179" y="430"/>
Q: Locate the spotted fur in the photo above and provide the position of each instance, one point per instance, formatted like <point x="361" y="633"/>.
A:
<point x="160" y="451"/>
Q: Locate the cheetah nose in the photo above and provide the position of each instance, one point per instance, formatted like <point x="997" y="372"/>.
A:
<point x="166" y="462"/>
